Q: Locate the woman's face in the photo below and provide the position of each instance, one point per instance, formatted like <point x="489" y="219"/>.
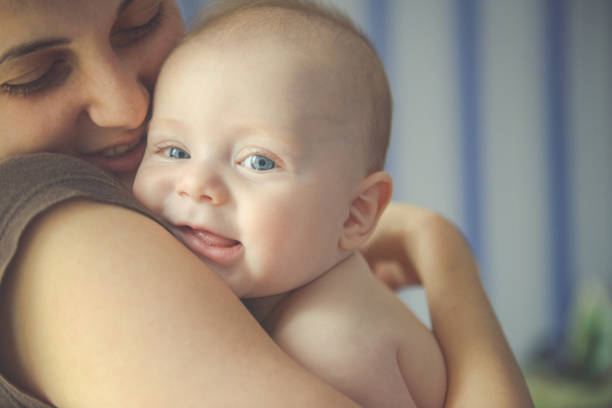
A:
<point x="76" y="76"/>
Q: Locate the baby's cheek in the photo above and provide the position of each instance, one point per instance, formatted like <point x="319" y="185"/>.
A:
<point x="270" y="238"/>
<point x="148" y="189"/>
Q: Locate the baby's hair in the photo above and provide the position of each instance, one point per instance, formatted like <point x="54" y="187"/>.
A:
<point x="371" y="73"/>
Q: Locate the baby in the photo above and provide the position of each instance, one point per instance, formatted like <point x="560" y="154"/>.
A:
<point x="266" y="148"/>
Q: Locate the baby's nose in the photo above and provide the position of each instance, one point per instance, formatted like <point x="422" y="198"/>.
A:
<point x="202" y="186"/>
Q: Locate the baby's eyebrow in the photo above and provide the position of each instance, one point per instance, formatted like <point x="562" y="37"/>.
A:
<point x="28" y="48"/>
<point x="167" y="125"/>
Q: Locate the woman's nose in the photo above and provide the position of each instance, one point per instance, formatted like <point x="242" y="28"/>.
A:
<point x="116" y="96"/>
<point x="202" y="185"/>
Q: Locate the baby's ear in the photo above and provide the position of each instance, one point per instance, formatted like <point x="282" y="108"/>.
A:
<point x="368" y="204"/>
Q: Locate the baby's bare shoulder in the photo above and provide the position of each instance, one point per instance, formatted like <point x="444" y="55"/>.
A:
<point x="346" y="303"/>
<point x="347" y="330"/>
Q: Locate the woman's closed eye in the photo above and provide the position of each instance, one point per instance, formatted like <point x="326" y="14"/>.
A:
<point x="136" y="22"/>
<point x="45" y="76"/>
<point x="258" y="162"/>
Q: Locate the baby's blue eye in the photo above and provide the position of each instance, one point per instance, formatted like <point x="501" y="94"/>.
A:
<point x="176" y="153"/>
<point x="259" y="162"/>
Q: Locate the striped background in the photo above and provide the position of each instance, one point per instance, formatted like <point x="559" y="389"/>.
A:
<point x="503" y="123"/>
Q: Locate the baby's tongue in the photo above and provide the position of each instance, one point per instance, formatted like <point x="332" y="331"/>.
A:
<point x="214" y="240"/>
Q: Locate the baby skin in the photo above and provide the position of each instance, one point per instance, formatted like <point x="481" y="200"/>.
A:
<point x="264" y="151"/>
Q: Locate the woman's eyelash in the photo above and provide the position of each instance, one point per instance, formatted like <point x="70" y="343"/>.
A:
<point x="126" y="36"/>
<point x="149" y="25"/>
<point x="54" y="75"/>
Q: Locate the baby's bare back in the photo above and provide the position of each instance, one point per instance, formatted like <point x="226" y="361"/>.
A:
<point x="353" y="332"/>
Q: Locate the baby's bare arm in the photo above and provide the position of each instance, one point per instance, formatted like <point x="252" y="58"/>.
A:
<point x="421" y="362"/>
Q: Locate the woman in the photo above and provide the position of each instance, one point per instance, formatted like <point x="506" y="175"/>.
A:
<point x="89" y="315"/>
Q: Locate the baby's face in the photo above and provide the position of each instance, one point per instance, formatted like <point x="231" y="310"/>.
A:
<point x="251" y="153"/>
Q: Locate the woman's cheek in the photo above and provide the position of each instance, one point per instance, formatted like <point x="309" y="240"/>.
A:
<point x="159" y="46"/>
<point x="34" y="127"/>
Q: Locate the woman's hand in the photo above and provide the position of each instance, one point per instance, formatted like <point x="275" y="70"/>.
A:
<point x="413" y="245"/>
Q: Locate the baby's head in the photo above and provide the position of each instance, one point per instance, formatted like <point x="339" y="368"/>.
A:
<point x="270" y="126"/>
<point x="326" y="45"/>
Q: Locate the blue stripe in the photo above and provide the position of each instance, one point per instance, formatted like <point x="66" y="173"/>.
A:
<point x="557" y="139"/>
<point x="189" y="7"/>
<point x="379" y="21"/>
<point x="467" y="15"/>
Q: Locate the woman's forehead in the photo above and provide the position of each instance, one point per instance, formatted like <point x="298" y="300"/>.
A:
<point x="31" y="20"/>
<point x="66" y="11"/>
<point x="34" y="12"/>
<point x="48" y="5"/>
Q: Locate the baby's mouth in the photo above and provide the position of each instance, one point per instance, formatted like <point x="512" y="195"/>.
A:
<point x="211" y="246"/>
<point x="209" y="238"/>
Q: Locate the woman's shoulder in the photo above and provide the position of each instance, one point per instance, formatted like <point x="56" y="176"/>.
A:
<point x="30" y="185"/>
<point x="55" y="185"/>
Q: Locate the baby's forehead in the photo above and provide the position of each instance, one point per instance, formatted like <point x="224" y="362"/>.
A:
<point x="319" y="52"/>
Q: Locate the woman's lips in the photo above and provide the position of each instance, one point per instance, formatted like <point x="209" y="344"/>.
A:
<point x="211" y="246"/>
<point x="116" y="160"/>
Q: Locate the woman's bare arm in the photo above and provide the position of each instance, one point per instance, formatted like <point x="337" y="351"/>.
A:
<point x="107" y="309"/>
<point x="482" y="370"/>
